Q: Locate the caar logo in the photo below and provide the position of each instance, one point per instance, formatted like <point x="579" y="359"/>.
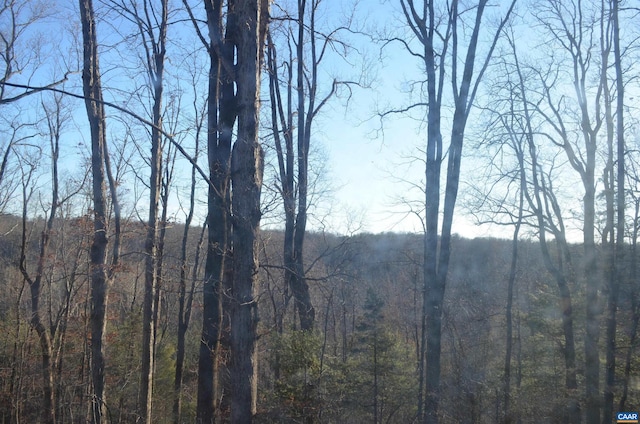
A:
<point x="627" y="417"/>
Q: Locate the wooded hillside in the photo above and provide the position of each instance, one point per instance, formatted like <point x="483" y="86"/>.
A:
<point x="360" y="361"/>
<point x="196" y="198"/>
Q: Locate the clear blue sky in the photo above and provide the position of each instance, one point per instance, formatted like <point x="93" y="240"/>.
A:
<point x="374" y="168"/>
<point x="377" y="165"/>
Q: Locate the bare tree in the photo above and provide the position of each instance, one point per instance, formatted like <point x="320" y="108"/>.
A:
<point x="439" y="40"/>
<point x="547" y="213"/>
<point x="617" y="271"/>
<point x="246" y="177"/>
<point x="221" y="117"/>
<point x="185" y="298"/>
<point x="50" y="329"/>
<point x="582" y="35"/>
<point x="8" y="181"/>
<point x="35" y="281"/>
<point x="295" y="95"/>
<point x="151" y="24"/>
<point x="20" y="54"/>
<point x="101" y="270"/>
<point x="544" y="204"/>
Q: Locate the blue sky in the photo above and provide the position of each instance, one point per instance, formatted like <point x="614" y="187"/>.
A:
<point x="373" y="167"/>
<point x="377" y="163"/>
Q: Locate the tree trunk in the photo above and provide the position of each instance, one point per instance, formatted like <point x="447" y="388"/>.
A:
<point x="221" y="116"/>
<point x="294" y="163"/>
<point x="424" y="21"/>
<point x="45" y="335"/>
<point x="99" y="272"/>
<point x="437" y="263"/>
<point x="618" y="272"/>
<point x="155" y="70"/>
<point x="297" y="279"/>
<point x="247" y="168"/>
<point x="635" y="308"/>
<point x="545" y="216"/>
<point x="185" y="298"/>
<point x="35" y="284"/>
<point x="506" y="379"/>
<point x="592" y="334"/>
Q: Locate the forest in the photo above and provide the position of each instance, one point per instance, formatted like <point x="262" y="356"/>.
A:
<point x="174" y="247"/>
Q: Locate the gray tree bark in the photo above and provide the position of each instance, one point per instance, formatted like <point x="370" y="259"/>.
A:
<point x="221" y="115"/>
<point x="156" y="50"/>
<point x="99" y="271"/>
<point x="246" y="177"/>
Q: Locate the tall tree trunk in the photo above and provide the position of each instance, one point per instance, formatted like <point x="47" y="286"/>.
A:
<point x="46" y="334"/>
<point x="301" y="85"/>
<point x="506" y="382"/>
<point x="592" y="283"/>
<point x="246" y="176"/>
<point x="155" y="70"/>
<point x="297" y="280"/>
<point x="216" y="247"/>
<point x="424" y="22"/>
<point x="185" y="298"/>
<point x="99" y="272"/>
<point x="15" y="381"/>
<point x="221" y="115"/>
<point x="618" y="273"/>
<point x="633" y="342"/>
<point x="436" y="269"/>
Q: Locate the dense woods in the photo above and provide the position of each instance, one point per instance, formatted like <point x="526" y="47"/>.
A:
<point x="358" y="366"/>
<point x="170" y="250"/>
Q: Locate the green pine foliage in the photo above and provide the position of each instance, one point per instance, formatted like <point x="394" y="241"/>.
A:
<point x="300" y="367"/>
<point x="380" y="384"/>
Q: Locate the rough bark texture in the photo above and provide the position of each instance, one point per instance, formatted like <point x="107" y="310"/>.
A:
<point x="246" y="176"/>
<point x="99" y="272"/>
<point x="221" y="116"/>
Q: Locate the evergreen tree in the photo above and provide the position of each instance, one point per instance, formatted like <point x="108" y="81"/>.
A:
<point x="378" y="374"/>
